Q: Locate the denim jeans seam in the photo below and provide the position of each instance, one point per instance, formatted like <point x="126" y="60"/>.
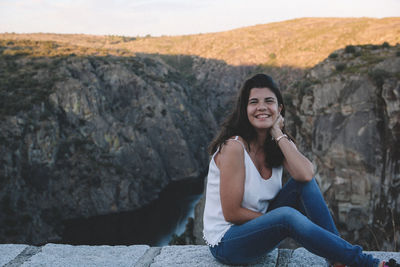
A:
<point x="305" y="208"/>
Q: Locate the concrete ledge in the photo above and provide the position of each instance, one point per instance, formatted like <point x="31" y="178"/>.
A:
<point x="145" y="256"/>
<point x="9" y="252"/>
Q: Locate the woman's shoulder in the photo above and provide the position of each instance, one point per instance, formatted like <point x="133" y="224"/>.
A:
<point x="234" y="144"/>
<point x="232" y="148"/>
<point x="237" y="139"/>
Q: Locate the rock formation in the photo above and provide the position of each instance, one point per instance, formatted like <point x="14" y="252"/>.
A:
<point x="348" y="118"/>
<point x="345" y="115"/>
<point x="86" y="136"/>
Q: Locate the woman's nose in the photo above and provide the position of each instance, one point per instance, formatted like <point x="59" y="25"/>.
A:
<point x="261" y="106"/>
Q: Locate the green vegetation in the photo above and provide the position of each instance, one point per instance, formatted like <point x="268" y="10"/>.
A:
<point x="33" y="48"/>
<point x="368" y="56"/>
<point x="375" y="47"/>
<point x="24" y="81"/>
<point x="385" y="45"/>
<point x="350" y="49"/>
<point x="333" y="55"/>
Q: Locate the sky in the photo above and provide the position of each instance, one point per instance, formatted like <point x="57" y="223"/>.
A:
<point x="173" y="17"/>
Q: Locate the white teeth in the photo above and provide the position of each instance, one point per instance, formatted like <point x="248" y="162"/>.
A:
<point x="263" y="116"/>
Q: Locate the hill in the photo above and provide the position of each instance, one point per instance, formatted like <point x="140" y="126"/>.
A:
<point x="297" y="43"/>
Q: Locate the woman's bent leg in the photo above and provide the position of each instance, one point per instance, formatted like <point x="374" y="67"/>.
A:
<point x="247" y="242"/>
<point x="315" y="206"/>
<point x="307" y="198"/>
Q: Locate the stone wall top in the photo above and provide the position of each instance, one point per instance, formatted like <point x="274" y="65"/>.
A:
<point x="145" y="256"/>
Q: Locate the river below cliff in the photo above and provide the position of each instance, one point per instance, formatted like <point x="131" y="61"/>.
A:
<point x="152" y="225"/>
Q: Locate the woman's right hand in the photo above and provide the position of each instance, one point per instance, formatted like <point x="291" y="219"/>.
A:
<point x="276" y="129"/>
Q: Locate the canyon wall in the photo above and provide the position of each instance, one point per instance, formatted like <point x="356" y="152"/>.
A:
<point x="348" y="119"/>
<point x="87" y="136"/>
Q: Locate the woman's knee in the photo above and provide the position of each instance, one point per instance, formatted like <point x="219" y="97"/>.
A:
<point x="289" y="214"/>
<point x="313" y="181"/>
<point x="301" y="184"/>
<point x="293" y="218"/>
<point x="311" y="185"/>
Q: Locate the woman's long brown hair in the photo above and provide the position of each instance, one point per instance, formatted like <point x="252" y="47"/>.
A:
<point x="237" y="123"/>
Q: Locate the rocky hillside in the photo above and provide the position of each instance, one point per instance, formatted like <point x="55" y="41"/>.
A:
<point x="84" y="136"/>
<point x="347" y="114"/>
<point x="300" y="43"/>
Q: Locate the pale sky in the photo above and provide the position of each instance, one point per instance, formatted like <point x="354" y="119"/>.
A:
<point x="173" y="17"/>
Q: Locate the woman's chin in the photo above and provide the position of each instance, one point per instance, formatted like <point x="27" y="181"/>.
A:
<point x="263" y="127"/>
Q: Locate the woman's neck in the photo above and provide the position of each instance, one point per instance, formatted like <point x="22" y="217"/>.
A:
<point x="258" y="143"/>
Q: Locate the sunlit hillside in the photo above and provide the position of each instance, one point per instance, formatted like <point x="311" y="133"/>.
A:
<point x="299" y="43"/>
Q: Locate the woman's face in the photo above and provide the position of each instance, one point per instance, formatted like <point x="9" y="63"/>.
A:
<point x="262" y="108"/>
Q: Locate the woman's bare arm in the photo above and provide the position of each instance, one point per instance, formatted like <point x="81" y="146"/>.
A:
<point x="299" y="167"/>
<point x="230" y="161"/>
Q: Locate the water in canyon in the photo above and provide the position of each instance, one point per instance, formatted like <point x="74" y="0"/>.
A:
<point x="152" y="225"/>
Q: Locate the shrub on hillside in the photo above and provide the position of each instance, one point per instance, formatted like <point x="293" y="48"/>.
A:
<point x="350" y="49"/>
<point x="333" y="55"/>
<point x="385" y="45"/>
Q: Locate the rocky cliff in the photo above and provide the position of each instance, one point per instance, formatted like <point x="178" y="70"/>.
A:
<point x="348" y="119"/>
<point x="82" y="136"/>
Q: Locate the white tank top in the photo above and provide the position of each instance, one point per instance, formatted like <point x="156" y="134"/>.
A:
<point x="257" y="194"/>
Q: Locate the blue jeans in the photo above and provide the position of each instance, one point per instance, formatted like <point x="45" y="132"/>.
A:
<point x="298" y="211"/>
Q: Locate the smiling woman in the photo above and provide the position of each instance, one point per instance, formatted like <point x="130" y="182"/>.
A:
<point x="247" y="211"/>
<point x="263" y="109"/>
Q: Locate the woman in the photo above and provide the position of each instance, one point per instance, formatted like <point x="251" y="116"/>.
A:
<point x="247" y="212"/>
